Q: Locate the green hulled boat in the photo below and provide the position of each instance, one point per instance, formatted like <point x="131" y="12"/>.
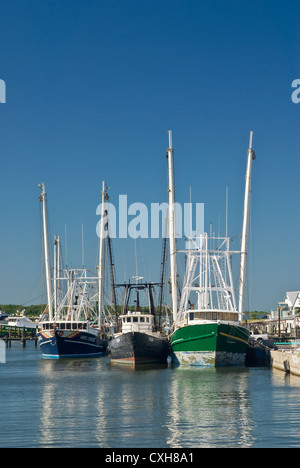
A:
<point x="208" y="327"/>
<point x="208" y="331"/>
<point x="210" y="345"/>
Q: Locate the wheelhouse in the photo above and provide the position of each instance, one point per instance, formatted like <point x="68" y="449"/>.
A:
<point x="65" y="325"/>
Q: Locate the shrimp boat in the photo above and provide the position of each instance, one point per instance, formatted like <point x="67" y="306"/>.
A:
<point x="71" y="326"/>
<point x="208" y="327"/>
<point x="140" y="340"/>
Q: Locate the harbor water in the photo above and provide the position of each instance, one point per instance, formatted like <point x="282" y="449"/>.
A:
<point x="88" y="403"/>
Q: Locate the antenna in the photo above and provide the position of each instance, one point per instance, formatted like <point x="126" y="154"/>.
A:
<point x="82" y="245"/>
<point x="250" y="142"/>
<point x="226" y="211"/>
<point x="66" y="245"/>
<point x="170" y="139"/>
<point x="136" y="277"/>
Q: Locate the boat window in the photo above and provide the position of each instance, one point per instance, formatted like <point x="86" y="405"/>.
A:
<point x="135" y="319"/>
<point x="68" y="326"/>
<point x="192" y="315"/>
<point x="128" y="319"/>
<point x="142" y="319"/>
<point x="147" y="319"/>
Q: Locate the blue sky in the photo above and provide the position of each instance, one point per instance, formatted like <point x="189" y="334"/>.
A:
<point x="94" y="86"/>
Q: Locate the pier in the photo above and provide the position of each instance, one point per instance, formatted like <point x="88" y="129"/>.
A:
<point x="17" y="334"/>
<point x="286" y="360"/>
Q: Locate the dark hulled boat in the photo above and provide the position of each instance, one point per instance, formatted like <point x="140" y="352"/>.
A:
<point x="137" y="343"/>
<point x="140" y="340"/>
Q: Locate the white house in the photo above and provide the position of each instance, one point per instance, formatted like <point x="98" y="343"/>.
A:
<point x="288" y="314"/>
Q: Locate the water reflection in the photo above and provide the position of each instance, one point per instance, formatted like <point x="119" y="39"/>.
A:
<point x="87" y="403"/>
<point x="209" y="408"/>
<point x="69" y="390"/>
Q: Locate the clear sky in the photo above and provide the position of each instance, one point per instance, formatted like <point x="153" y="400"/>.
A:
<point x="92" y="88"/>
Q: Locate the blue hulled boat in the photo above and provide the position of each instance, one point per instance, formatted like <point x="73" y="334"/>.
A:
<point x="71" y="326"/>
<point x="70" y="339"/>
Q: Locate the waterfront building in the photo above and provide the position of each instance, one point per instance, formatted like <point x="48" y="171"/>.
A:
<point x="289" y="318"/>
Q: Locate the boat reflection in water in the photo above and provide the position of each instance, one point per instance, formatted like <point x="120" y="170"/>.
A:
<point x="171" y="407"/>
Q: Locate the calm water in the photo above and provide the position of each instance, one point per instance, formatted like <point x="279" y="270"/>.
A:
<point x="87" y="403"/>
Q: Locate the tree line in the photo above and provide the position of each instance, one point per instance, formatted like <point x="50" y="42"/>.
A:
<point x="29" y="311"/>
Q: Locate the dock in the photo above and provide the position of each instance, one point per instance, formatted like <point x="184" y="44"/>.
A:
<point x="18" y="334"/>
<point x="286" y="360"/>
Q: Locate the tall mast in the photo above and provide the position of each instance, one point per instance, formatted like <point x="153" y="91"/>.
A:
<point x="244" y="243"/>
<point x="101" y="253"/>
<point x="55" y="273"/>
<point x="58" y="270"/>
<point x="172" y="226"/>
<point x="43" y="199"/>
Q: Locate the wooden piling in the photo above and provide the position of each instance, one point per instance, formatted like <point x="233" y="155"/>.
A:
<point x="23" y="338"/>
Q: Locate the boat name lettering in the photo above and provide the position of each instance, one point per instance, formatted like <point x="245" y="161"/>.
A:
<point x="88" y="338"/>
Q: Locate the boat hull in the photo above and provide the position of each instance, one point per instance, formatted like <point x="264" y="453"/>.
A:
<point x="71" y="344"/>
<point x="138" y="348"/>
<point x="210" y="345"/>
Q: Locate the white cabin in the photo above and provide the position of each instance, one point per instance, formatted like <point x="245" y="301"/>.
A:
<point x="21" y="322"/>
<point x="137" y="322"/>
